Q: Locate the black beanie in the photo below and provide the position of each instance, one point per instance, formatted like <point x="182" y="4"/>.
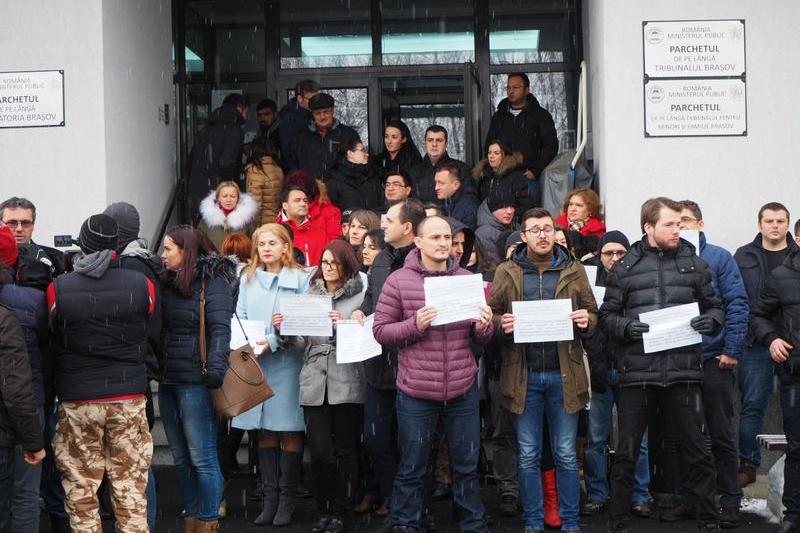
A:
<point x="614" y="236"/>
<point x="127" y="218"/>
<point x="500" y="197"/>
<point x="98" y="232"/>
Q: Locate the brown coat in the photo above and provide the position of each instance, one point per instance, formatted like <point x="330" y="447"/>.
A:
<point x="265" y="186"/>
<point x="507" y="287"/>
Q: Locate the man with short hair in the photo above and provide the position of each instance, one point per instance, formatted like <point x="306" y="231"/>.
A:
<point x="660" y="271"/>
<point x="294" y="118"/>
<point x="308" y="237"/>
<point x="435" y="153"/>
<point x="528" y="128"/>
<point x="436" y="377"/>
<point x="99" y="316"/>
<point x="457" y="202"/>
<point x="317" y="146"/>
<point x="397" y="187"/>
<point x="380" y="414"/>
<point x="756" y="369"/>
<point x="268" y="124"/>
<point x="541" y="378"/>
<point x="19" y="214"/>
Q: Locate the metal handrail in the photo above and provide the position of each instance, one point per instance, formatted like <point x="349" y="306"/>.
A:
<point x="155" y="244"/>
<point x="583" y="125"/>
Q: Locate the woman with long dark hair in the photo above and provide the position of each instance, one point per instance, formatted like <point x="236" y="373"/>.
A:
<point x="399" y="151"/>
<point x="264" y="180"/>
<point x="271" y="274"/>
<point x="332" y="394"/>
<point x="187" y="411"/>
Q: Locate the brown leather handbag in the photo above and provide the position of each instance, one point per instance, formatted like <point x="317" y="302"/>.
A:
<point x="244" y="385"/>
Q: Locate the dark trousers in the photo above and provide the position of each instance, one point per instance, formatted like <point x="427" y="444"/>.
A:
<point x="6" y="487"/>
<point x="501" y="437"/>
<point x="638" y="405"/>
<point x="790" y="405"/>
<point x="333" y="433"/>
<point x="380" y="435"/>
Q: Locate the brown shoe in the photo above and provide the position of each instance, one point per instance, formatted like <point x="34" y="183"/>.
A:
<point x="190" y="524"/>
<point x="364" y="506"/>
<point x="212" y="526"/>
<point x="383" y="510"/>
<point x="747" y="474"/>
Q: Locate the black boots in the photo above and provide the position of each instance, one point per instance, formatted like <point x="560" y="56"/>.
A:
<point x="291" y="467"/>
<point x="268" y="461"/>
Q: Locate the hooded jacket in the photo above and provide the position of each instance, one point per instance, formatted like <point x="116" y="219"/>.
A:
<point x="353" y="186"/>
<point x="532" y="133"/>
<point x="469" y="239"/>
<point x="436" y="364"/>
<point x="180" y="333"/>
<point x="508" y="175"/>
<point x="462" y="206"/>
<point x="216" y="226"/>
<point x="509" y="286"/>
<point x="646" y="279"/>
<point x="489" y="230"/>
<point x="317" y="153"/>
<point x="322" y="377"/>
<point x="264" y="184"/>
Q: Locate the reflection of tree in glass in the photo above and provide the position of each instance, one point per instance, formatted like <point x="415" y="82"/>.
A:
<point x="351" y="109"/>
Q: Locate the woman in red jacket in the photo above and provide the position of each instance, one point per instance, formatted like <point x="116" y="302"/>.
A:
<point x="582" y="212"/>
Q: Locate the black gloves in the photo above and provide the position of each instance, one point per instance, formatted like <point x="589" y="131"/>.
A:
<point x="704" y="324"/>
<point x="213" y="381"/>
<point x="634" y="330"/>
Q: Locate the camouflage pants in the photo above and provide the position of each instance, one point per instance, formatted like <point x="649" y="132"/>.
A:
<point x="108" y="438"/>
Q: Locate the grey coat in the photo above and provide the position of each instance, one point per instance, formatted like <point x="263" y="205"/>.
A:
<point x="344" y="383"/>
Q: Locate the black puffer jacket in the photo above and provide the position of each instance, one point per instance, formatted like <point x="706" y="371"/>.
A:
<point x="780" y="297"/>
<point x="647" y="279"/>
<point x="19" y="422"/>
<point x="508" y="176"/>
<point x="180" y="353"/>
<point x="532" y="133"/>
<point x="317" y="154"/>
<point x="424" y="187"/>
<point x="352" y="186"/>
<point x="381" y="371"/>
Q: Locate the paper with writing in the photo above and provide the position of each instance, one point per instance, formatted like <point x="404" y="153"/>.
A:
<point x="354" y="342"/>
<point x="306" y="314"/>
<point x="542" y="320"/>
<point x="455" y="298"/>
<point x="669" y="328"/>
<point x="256" y="331"/>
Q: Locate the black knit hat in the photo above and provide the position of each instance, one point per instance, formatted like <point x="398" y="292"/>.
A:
<point x="98" y="232"/>
<point x="127" y="218"/>
<point x="320" y="101"/>
<point x="500" y="197"/>
<point x="614" y="236"/>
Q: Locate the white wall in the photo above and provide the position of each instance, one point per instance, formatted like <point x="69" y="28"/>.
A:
<point x="61" y="169"/>
<point x="116" y="55"/>
<point x="137" y="73"/>
<point x="729" y="177"/>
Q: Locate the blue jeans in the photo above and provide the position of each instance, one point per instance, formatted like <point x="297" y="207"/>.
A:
<point x="416" y="422"/>
<point x="595" y="473"/>
<point x="6" y="487"/>
<point x="191" y="427"/>
<point x="545" y="395"/>
<point x="756" y="371"/>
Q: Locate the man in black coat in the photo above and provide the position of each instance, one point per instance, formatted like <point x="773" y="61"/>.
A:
<point x="293" y="119"/>
<point x="217" y="154"/>
<point x="435" y="153"/>
<point x="527" y="127"/>
<point x="660" y="271"/>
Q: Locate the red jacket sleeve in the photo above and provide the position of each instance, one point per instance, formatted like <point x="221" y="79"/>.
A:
<point x="51" y="298"/>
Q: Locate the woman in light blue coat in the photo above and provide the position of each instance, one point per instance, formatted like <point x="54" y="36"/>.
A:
<point x="271" y="274"/>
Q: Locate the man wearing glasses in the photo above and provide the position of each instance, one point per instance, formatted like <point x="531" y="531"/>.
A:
<point x="541" y="378"/>
<point x="19" y="214"/>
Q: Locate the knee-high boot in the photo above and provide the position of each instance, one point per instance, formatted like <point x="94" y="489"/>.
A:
<point x="268" y="462"/>
<point x="550" y="494"/>
<point x="291" y="464"/>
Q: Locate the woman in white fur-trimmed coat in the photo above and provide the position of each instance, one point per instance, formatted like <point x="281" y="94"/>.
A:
<point x="227" y="210"/>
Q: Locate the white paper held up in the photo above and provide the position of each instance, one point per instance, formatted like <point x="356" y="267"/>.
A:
<point x="542" y="320"/>
<point x="256" y="330"/>
<point x="306" y="314"/>
<point x="670" y="328"/>
<point x="599" y="294"/>
<point x="354" y="342"/>
<point x="693" y="236"/>
<point x="455" y="298"/>
<point x="591" y="273"/>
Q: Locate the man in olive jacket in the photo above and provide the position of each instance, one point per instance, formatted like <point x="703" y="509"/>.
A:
<point x="660" y="271"/>
<point x="544" y="377"/>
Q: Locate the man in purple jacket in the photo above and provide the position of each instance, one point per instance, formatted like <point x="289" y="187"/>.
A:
<point x="436" y="377"/>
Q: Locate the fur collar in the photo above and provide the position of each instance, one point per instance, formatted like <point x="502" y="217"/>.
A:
<point x="483" y="170"/>
<point x="213" y="266"/>
<point x="243" y="214"/>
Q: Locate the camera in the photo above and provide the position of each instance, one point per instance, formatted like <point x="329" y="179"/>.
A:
<point x="64" y="241"/>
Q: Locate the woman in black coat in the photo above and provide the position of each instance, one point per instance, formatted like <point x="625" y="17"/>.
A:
<point x="352" y="183"/>
<point x="502" y="168"/>
<point x="399" y="151"/>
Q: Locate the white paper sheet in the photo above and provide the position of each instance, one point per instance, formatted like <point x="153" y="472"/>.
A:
<point x="306" y="314"/>
<point x="256" y="331"/>
<point x="599" y="294"/>
<point x="669" y="328"/>
<point x="355" y="343"/>
<point x="693" y="236"/>
<point x="455" y="298"/>
<point x="591" y="273"/>
<point x="542" y="320"/>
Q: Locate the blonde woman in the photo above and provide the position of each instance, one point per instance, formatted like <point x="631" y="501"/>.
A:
<point x="226" y="210"/>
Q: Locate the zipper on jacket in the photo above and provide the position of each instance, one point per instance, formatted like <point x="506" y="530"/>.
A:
<point x="661" y="302"/>
<point x="444" y="362"/>
<point x="541" y="297"/>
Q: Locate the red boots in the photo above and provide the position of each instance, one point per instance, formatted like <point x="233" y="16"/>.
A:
<point x="550" y="496"/>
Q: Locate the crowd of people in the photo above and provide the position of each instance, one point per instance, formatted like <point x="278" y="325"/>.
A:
<point x="311" y="212"/>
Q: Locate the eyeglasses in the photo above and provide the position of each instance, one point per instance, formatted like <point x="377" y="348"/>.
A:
<point x="614" y="253"/>
<point x="24" y="224"/>
<point x="536" y="230"/>
<point x="395" y="185"/>
<point x="686" y="220"/>
<point x="329" y="264"/>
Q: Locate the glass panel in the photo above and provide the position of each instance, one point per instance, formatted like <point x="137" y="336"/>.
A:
<point x="555" y="92"/>
<point x="427" y="32"/>
<point x="325" y="33"/>
<point x="352" y="108"/>
<point x="225" y="36"/>
<point x="532" y="31"/>
<point x="202" y="99"/>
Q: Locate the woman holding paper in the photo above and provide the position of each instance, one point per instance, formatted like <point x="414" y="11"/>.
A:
<point x="271" y="274"/>
<point x="332" y="394"/>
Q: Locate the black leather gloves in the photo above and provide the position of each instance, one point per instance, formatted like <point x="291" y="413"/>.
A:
<point x="634" y="330"/>
<point x="704" y="324"/>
